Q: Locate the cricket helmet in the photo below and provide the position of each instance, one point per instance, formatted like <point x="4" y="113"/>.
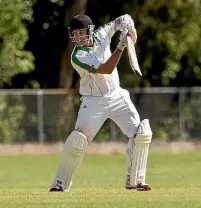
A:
<point x="81" y="22"/>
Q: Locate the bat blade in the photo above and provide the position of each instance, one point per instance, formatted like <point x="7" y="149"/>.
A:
<point x="132" y="56"/>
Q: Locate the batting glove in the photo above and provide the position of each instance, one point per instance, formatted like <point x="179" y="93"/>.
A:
<point x="124" y="22"/>
<point x="122" y="40"/>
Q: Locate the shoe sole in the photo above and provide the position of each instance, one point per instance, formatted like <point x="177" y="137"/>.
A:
<point x="55" y="190"/>
<point x="143" y="188"/>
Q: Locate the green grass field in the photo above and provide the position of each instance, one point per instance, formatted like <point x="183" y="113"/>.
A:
<point x="176" y="181"/>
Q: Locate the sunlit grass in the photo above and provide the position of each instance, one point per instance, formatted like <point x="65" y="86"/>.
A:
<point x="176" y="180"/>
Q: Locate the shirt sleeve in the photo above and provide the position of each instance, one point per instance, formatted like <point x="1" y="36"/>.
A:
<point x="106" y="31"/>
<point x="86" y="62"/>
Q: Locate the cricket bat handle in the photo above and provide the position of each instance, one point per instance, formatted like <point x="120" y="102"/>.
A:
<point x="132" y="37"/>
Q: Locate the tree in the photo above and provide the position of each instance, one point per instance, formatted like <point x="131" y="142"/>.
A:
<point x="168" y="41"/>
<point x="11" y="114"/>
<point x="66" y="70"/>
<point x="14" y="59"/>
<point x="13" y="36"/>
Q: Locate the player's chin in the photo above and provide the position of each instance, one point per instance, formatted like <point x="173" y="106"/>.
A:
<point x="81" y="43"/>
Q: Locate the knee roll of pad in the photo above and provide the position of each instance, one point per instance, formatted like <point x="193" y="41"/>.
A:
<point x="77" y="143"/>
<point x="144" y="132"/>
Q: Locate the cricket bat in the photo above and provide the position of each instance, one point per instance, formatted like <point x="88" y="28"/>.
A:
<point x="132" y="56"/>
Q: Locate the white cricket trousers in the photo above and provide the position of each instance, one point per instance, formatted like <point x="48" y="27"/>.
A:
<point x="94" y="111"/>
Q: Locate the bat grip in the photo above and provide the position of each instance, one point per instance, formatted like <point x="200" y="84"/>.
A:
<point x="132" y="37"/>
<point x="128" y="35"/>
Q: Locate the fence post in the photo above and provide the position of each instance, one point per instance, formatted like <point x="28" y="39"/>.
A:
<point x="40" y="122"/>
<point x="113" y="131"/>
<point x="181" y="112"/>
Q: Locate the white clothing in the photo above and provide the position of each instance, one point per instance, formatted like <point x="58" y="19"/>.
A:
<point x="102" y="98"/>
<point x="102" y="95"/>
<point x="94" y="111"/>
<point x="86" y="61"/>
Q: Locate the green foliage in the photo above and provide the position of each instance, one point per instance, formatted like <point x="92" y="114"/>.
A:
<point x="168" y="38"/>
<point x="13" y="35"/>
<point x="11" y="113"/>
<point x="192" y="114"/>
<point x="32" y="84"/>
<point x="103" y="135"/>
<point x="59" y="2"/>
<point x="13" y="60"/>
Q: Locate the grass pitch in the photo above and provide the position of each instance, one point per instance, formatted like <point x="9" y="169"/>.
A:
<point x="176" y="180"/>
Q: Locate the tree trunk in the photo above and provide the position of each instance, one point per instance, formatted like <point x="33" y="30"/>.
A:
<point x="67" y="111"/>
<point x="66" y="71"/>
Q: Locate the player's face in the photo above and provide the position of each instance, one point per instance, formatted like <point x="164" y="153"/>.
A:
<point x="81" y="37"/>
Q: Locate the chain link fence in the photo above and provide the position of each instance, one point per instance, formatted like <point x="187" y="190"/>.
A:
<point x="50" y="115"/>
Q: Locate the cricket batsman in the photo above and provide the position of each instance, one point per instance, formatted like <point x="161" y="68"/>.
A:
<point x="103" y="98"/>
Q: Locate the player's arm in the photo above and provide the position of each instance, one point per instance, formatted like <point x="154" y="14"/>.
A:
<point x="105" y="32"/>
<point x="93" y="65"/>
<point x="119" y="24"/>
<point x="111" y="63"/>
<point x="126" y="22"/>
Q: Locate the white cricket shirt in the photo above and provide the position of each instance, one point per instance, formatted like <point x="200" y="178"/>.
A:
<point x="86" y="60"/>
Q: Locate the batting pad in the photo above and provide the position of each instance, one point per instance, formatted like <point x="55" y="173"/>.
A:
<point x="140" y="153"/>
<point x="73" y="153"/>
